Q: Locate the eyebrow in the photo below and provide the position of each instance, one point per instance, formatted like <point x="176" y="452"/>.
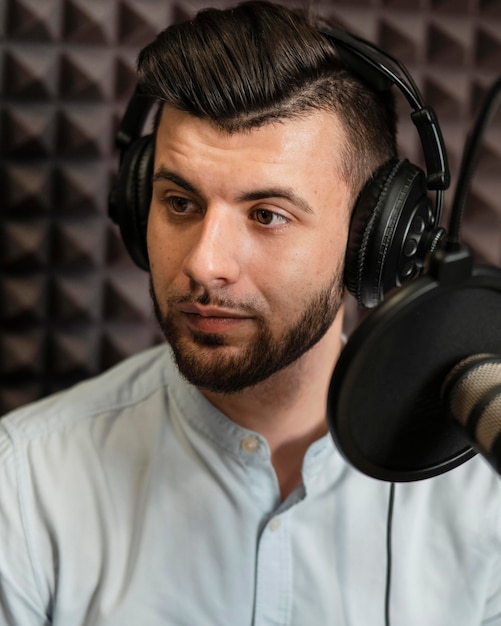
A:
<point x="286" y="193"/>
<point x="164" y="174"/>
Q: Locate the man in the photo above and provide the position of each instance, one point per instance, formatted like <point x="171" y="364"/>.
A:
<point x="204" y="489"/>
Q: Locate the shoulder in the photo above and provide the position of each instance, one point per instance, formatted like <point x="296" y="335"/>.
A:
<point x="465" y="500"/>
<point x="129" y="383"/>
<point x="473" y="481"/>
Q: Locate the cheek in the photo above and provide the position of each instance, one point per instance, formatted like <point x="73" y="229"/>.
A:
<point x="293" y="276"/>
<point x="160" y="240"/>
<point x="322" y="253"/>
<point x="152" y="236"/>
<point x="332" y="244"/>
<point x="160" y="252"/>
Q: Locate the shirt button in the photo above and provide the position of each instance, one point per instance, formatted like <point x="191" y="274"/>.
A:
<point x="275" y="523"/>
<point x="249" y="444"/>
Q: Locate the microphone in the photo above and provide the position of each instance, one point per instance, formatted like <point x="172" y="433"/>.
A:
<point x="472" y="396"/>
<point x="406" y="399"/>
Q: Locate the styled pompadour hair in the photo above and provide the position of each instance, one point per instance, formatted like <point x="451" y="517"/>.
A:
<point x="260" y="62"/>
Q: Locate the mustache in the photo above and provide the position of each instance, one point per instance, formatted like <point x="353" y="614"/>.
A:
<point x="206" y="298"/>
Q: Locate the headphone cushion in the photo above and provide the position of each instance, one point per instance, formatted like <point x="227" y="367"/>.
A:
<point x="379" y="224"/>
<point x="134" y="197"/>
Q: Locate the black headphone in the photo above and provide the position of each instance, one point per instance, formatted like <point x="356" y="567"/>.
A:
<point x="394" y="225"/>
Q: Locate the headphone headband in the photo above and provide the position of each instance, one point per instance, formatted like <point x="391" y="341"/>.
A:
<point x="380" y="71"/>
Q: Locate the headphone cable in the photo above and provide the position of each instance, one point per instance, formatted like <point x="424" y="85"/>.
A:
<point x="389" y="524"/>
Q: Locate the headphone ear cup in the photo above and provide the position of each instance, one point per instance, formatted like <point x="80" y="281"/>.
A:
<point x="390" y="219"/>
<point x="131" y="198"/>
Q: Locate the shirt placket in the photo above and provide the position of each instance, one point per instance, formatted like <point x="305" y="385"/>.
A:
<point x="274" y="574"/>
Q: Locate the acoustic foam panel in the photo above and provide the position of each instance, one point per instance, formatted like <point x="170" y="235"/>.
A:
<point x="71" y="302"/>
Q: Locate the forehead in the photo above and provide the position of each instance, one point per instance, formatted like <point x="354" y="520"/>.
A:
<point x="314" y="132"/>
<point x="306" y="129"/>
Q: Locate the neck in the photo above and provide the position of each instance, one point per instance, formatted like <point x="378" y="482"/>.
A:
<point x="289" y="408"/>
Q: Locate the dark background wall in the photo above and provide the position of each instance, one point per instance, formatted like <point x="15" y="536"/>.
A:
<point x="71" y="303"/>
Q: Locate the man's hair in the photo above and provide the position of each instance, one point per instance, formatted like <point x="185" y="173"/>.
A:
<point x="259" y="62"/>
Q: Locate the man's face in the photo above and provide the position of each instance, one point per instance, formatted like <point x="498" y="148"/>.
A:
<point x="246" y="241"/>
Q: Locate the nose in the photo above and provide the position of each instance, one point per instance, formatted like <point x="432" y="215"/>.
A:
<point x="213" y="259"/>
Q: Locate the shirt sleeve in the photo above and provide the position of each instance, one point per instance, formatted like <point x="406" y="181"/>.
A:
<point x="20" y="598"/>
<point x="492" y="613"/>
<point x="493" y="606"/>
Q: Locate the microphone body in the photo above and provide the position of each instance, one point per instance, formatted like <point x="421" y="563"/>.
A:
<point x="472" y="396"/>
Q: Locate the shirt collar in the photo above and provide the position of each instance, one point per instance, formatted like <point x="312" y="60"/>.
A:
<point x="243" y="444"/>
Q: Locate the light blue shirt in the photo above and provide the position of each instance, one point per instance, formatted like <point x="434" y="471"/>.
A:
<point x="130" y="500"/>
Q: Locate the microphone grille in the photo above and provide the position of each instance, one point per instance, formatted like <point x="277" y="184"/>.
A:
<point x="472" y="391"/>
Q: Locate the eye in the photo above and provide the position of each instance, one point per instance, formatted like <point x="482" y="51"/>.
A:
<point x="268" y="218"/>
<point x="180" y="205"/>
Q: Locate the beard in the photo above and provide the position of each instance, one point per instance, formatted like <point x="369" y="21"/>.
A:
<point x="264" y="356"/>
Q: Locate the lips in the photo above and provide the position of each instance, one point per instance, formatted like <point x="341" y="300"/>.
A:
<point x="211" y="319"/>
<point x="210" y="311"/>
